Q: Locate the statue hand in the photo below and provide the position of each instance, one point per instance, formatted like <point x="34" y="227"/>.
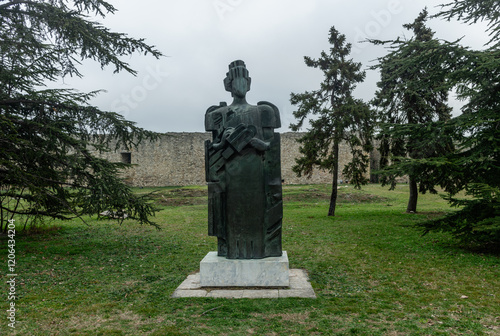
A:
<point x="260" y="145"/>
<point x="222" y="142"/>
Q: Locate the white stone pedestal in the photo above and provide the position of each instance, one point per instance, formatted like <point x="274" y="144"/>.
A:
<point x="221" y="272"/>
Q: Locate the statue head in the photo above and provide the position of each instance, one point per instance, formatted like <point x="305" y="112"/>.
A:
<point x="237" y="80"/>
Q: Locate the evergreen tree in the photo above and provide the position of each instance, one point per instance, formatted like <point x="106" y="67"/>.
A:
<point x="410" y="95"/>
<point x="49" y="137"/>
<point x="472" y="11"/>
<point x="336" y="116"/>
<point x="475" y="164"/>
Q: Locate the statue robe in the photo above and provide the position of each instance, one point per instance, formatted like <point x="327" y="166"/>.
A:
<point x="244" y="180"/>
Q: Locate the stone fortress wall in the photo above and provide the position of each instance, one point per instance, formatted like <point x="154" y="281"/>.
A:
<point x="178" y="159"/>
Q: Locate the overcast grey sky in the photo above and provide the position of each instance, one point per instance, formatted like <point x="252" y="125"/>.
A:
<point x="201" y="37"/>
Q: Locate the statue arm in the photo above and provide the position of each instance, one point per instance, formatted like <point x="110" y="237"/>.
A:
<point x="209" y="119"/>
<point x="270" y="115"/>
<point x="213" y="117"/>
<point x="240" y="137"/>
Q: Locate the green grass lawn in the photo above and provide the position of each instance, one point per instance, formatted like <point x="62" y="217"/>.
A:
<point x="372" y="271"/>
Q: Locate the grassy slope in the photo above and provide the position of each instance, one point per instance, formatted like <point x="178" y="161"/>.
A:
<point x="372" y="272"/>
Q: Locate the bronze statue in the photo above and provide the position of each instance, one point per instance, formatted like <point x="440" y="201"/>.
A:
<point x="243" y="171"/>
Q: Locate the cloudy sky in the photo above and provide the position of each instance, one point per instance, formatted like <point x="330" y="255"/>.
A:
<point x="201" y="37"/>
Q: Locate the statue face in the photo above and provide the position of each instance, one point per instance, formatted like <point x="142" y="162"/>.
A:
<point x="240" y="87"/>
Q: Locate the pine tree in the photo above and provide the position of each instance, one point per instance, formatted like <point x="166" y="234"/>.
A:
<point x="410" y="95"/>
<point x="473" y="11"/>
<point x="48" y="137"/>
<point x="471" y="161"/>
<point x="475" y="164"/>
<point x="336" y="116"/>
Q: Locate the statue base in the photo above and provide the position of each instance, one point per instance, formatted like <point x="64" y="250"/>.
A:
<point x="218" y="271"/>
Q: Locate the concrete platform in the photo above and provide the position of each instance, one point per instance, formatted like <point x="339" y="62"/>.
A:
<point x="218" y="271"/>
<point x="299" y="287"/>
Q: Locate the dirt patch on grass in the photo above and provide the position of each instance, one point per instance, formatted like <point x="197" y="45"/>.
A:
<point x="187" y="196"/>
<point x="184" y="192"/>
<point x="182" y="197"/>
<point x="360" y="198"/>
<point x="315" y="195"/>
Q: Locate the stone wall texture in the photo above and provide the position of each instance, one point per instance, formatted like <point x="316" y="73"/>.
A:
<point x="178" y="159"/>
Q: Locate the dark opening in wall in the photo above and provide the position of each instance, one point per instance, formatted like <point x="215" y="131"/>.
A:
<point x="126" y="157"/>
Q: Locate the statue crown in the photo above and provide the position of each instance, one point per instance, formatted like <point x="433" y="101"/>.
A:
<point x="236" y="69"/>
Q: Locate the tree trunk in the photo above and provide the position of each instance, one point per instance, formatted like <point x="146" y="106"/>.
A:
<point x="412" y="202"/>
<point x="333" y="197"/>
